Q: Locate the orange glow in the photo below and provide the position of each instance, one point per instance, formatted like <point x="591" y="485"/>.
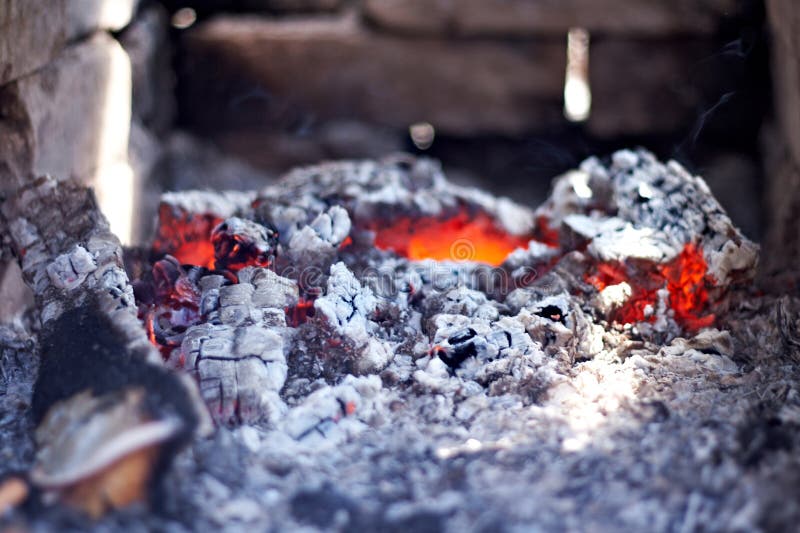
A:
<point x="346" y="242"/>
<point x="195" y="253"/>
<point x="185" y="236"/>
<point x="298" y="314"/>
<point x="686" y="280"/>
<point x="461" y="238"/>
<point x="233" y="253"/>
<point x="545" y="233"/>
<point x="688" y="294"/>
<point x="644" y="285"/>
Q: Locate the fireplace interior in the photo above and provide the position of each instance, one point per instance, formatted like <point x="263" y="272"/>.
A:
<point x="383" y="265"/>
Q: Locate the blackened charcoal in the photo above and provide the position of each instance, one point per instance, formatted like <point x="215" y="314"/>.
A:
<point x="239" y="242"/>
<point x="460" y="348"/>
<point x="457" y="354"/>
<point x="552" y="312"/>
<point x="462" y="336"/>
<point x="69" y="365"/>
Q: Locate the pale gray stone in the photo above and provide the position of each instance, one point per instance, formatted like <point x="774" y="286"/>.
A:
<point x="33" y="32"/>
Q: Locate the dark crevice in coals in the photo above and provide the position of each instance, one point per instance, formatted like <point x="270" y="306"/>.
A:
<point x="554" y="313"/>
<point x="461" y="348"/>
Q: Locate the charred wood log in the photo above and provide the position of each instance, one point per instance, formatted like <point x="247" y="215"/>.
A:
<point x="104" y="405"/>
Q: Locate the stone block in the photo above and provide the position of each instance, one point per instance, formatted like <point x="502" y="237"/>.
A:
<point x="639" y="86"/>
<point x="33" y="32"/>
<point x="78" y="108"/>
<point x="250" y="73"/>
<point x="784" y="18"/>
<point x="71" y="119"/>
<point x="470" y="18"/>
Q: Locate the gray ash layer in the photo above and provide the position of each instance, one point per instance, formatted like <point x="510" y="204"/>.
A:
<point x="417" y="397"/>
<point x="17" y="374"/>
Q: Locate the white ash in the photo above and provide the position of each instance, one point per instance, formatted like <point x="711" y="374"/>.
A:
<point x="222" y="204"/>
<point x="64" y="244"/>
<point x="552" y="419"/>
<point x="674" y="437"/>
<point x="373" y="307"/>
<point x="239" y="355"/>
<point x="613" y="297"/>
<point x="69" y="270"/>
<point x="316" y="242"/>
<point x="18" y="366"/>
<point x="346" y="307"/>
<point x="370" y="190"/>
<point x="660" y="202"/>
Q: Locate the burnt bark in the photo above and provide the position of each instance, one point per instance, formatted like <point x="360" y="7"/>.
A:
<point x="91" y="339"/>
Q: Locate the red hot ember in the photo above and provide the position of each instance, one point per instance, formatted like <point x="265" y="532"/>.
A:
<point x="339" y="268"/>
<point x="239" y="243"/>
<point x="686" y="279"/>
<point x="185" y="236"/>
<point x="462" y="236"/>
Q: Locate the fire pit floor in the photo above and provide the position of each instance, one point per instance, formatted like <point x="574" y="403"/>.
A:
<point x="662" y="442"/>
<point x="664" y="411"/>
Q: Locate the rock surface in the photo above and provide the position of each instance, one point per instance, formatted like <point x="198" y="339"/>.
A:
<point x="81" y="100"/>
<point x="33" y="32"/>
<point x="71" y="119"/>
<point x="783" y="146"/>
<point x="632" y="79"/>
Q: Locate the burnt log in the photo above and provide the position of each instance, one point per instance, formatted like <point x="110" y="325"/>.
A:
<point x="103" y="403"/>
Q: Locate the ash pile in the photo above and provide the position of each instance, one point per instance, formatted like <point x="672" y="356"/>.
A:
<point x="382" y="350"/>
<point x="352" y="270"/>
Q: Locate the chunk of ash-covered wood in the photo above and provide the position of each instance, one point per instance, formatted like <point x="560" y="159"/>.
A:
<point x="657" y="209"/>
<point x="239" y="355"/>
<point x="96" y="403"/>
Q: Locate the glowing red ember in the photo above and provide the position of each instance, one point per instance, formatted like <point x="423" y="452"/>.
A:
<point x="195" y="244"/>
<point x="688" y="281"/>
<point x="543" y="232"/>
<point x="238" y="243"/>
<point x="176" y="303"/>
<point x="185" y="236"/>
<point x="461" y="238"/>
<point x="298" y="314"/>
<point x="685" y="277"/>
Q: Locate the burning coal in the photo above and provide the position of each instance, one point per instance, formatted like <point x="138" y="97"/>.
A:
<point x="260" y="296"/>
